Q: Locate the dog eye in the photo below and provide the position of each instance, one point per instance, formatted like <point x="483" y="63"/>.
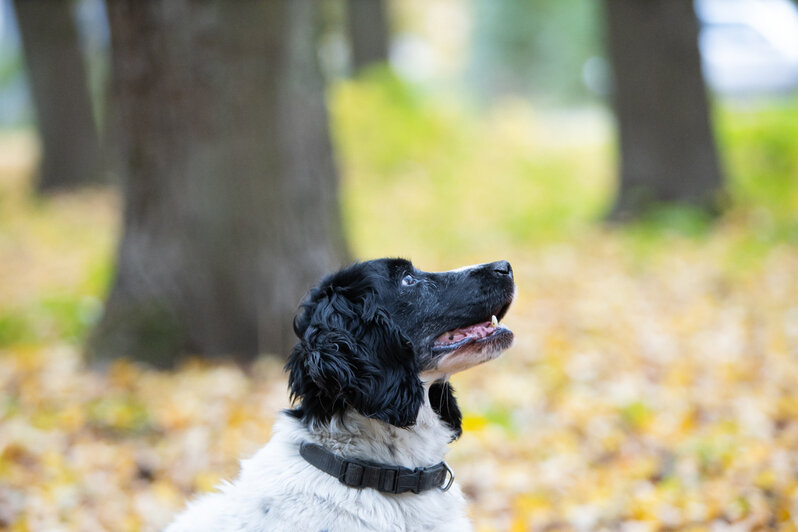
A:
<point x="409" y="280"/>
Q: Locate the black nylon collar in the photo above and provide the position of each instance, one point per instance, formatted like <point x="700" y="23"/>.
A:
<point x="387" y="479"/>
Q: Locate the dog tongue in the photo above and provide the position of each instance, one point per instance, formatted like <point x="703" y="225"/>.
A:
<point x="479" y="330"/>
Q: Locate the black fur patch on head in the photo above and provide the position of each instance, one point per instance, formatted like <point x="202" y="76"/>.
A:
<point x="368" y="331"/>
<point x="351" y="354"/>
<point x="441" y="398"/>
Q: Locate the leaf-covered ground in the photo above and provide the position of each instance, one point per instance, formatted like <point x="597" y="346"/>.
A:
<point x="647" y="390"/>
<point x="653" y="384"/>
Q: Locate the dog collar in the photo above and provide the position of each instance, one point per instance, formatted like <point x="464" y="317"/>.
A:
<point x="387" y="479"/>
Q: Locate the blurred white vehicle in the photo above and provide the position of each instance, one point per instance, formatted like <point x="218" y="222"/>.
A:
<point x="749" y="47"/>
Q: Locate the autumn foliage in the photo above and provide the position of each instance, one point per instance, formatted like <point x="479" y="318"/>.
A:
<point x="648" y="390"/>
<point x="652" y="385"/>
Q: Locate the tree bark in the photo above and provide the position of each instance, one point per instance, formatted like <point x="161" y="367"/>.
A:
<point x="59" y="86"/>
<point x="368" y="32"/>
<point x="231" y="208"/>
<point x="667" y="148"/>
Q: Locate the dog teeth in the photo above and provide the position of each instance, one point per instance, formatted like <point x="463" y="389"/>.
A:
<point x="493" y="321"/>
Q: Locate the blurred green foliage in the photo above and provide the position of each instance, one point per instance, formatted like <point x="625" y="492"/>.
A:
<point x="426" y="176"/>
<point x="57" y="262"/>
<point x="760" y="147"/>
<point x="13" y="328"/>
<point x="421" y="168"/>
<point x="66" y="317"/>
<point x="424" y="171"/>
<point x="537" y="48"/>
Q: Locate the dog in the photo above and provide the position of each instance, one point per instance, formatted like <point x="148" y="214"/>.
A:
<point x="363" y="445"/>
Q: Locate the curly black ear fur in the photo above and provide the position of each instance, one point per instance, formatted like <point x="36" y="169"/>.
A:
<point x="351" y="355"/>
<point x="442" y="401"/>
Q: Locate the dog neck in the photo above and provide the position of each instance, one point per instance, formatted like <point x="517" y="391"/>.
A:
<point x="353" y="435"/>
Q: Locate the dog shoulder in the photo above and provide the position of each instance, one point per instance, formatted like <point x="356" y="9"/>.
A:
<point x="277" y="490"/>
<point x="206" y="513"/>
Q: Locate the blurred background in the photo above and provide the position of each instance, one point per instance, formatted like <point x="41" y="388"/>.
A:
<point x="174" y="175"/>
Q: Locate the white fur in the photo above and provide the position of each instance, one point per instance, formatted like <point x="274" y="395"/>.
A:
<point x="277" y="490"/>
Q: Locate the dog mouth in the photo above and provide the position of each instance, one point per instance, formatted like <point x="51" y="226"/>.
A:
<point x="487" y="335"/>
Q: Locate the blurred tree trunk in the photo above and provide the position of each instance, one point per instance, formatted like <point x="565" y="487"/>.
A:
<point x="368" y="32"/>
<point x="667" y="149"/>
<point x="59" y="86"/>
<point x="231" y="208"/>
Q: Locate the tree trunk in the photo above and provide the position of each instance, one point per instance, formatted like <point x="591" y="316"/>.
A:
<point x="231" y="208"/>
<point x="59" y="86"/>
<point x="667" y="148"/>
<point x="368" y="32"/>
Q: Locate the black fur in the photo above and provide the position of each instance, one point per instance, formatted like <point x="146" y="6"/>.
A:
<point x="441" y="398"/>
<point x="365" y="335"/>
<point x="351" y="354"/>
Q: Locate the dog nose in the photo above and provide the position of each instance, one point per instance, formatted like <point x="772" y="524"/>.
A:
<point x="503" y="267"/>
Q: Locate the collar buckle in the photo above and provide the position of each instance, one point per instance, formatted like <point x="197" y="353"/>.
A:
<point x="450" y="474"/>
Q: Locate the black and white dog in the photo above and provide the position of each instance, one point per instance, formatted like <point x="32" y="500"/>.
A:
<point x="363" y="448"/>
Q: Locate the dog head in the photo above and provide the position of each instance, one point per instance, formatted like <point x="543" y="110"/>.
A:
<point x="370" y="333"/>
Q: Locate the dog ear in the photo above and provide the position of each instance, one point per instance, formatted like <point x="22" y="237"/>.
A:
<point x="442" y="401"/>
<point x="351" y="354"/>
